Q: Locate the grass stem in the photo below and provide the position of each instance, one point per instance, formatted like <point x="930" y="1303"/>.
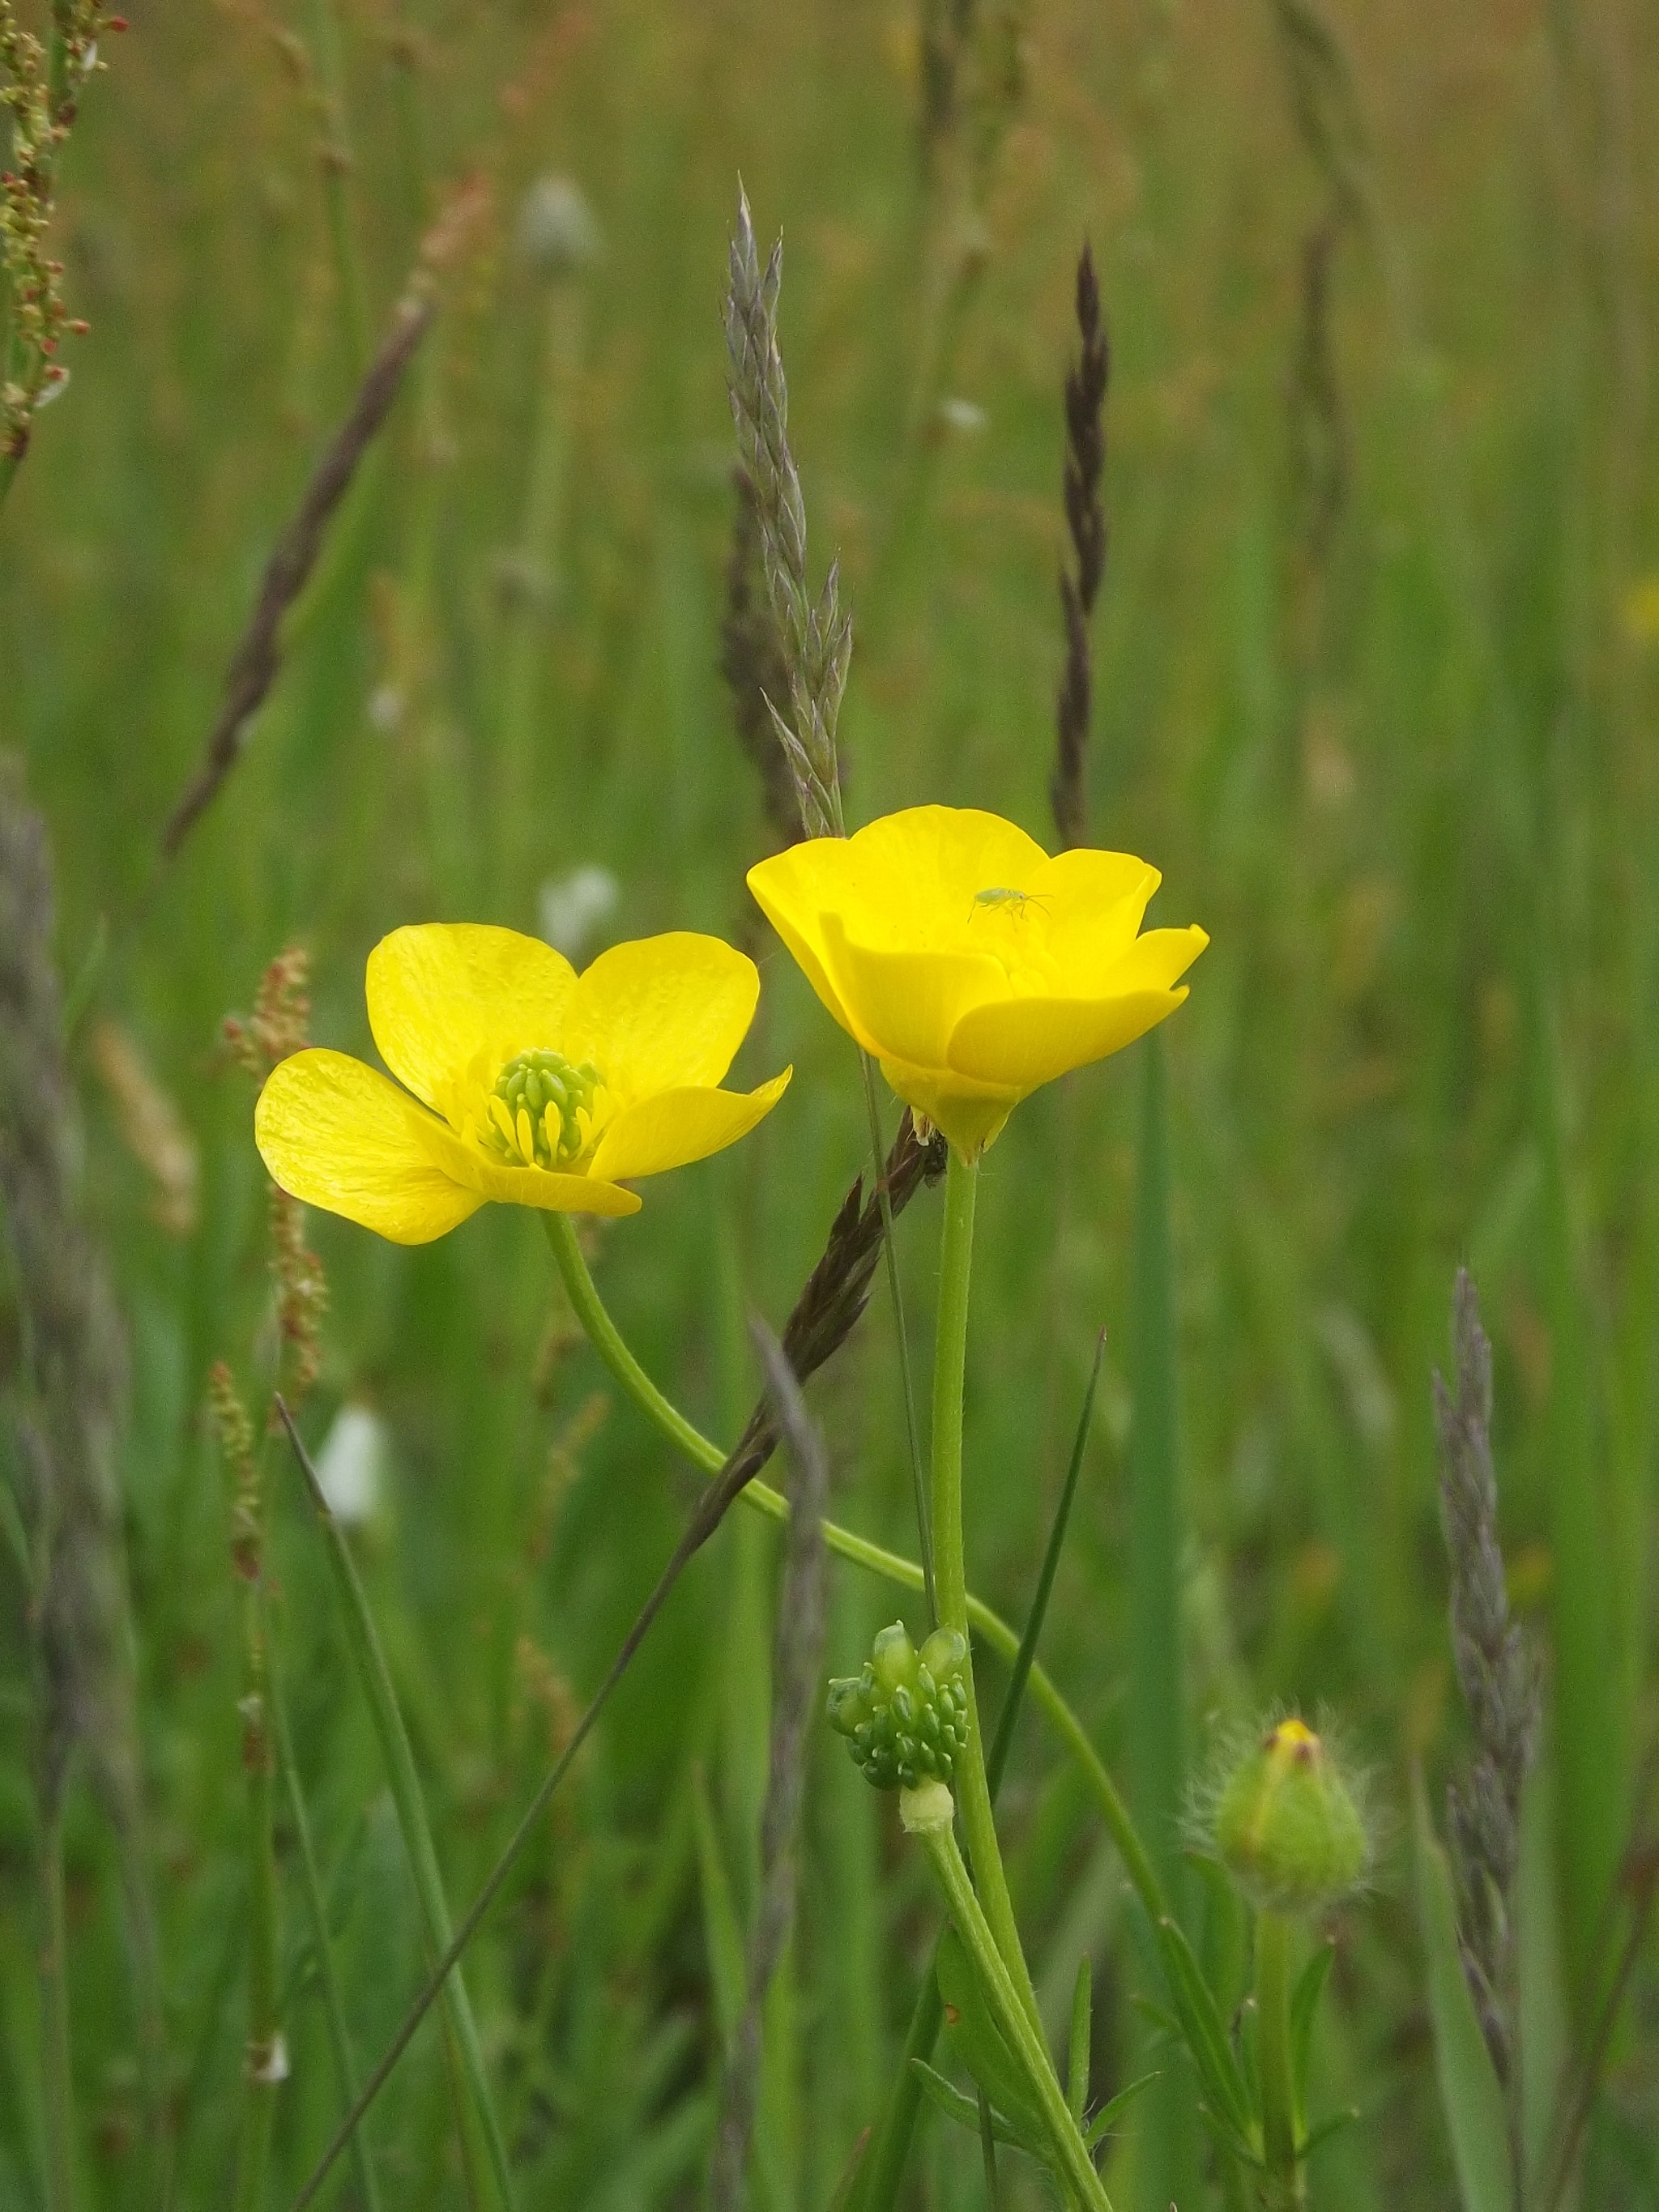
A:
<point x="374" y="1677"/>
<point x="328" y="1970"/>
<point x="54" y="2005"/>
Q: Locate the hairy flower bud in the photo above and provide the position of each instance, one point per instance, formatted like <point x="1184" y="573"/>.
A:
<point x="905" y="1716"/>
<point x="1286" y="1824"/>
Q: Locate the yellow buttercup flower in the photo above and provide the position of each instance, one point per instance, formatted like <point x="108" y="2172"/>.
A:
<point x="530" y="1083"/>
<point x="973" y="966"/>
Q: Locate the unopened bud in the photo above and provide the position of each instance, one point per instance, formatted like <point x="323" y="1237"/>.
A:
<point x="1286" y="1825"/>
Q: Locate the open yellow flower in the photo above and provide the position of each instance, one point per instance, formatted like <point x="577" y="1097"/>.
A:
<point x="531" y="1084"/>
<point x="972" y="966"/>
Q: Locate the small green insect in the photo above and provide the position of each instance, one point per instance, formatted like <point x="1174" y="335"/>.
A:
<point x="1001" y="897"/>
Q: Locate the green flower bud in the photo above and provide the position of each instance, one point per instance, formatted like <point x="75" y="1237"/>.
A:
<point x="905" y="1716"/>
<point x="1286" y="1824"/>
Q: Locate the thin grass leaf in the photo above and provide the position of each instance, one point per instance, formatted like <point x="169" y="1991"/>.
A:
<point x="1114" y="2109"/>
<point x="1592" y="1736"/>
<point x="1304" y="2005"/>
<point x="1077" y="2057"/>
<point x="1470" y="2095"/>
<point x="1155" y="1719"/>
<point x="977" y="2039"/>
<point x="1322" y="2130"/>
<point x="721" y="1930"/>
<point x="964" y="2109"/>
<point x="322" y="1946"/>
<point x="1204" y="2031"/>
<point x="1020" y="1674"/>
<point x="374" y="1680"/>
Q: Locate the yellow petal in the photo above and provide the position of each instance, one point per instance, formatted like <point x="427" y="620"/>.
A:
<point x="442" y="992"/>
<point x="1089" y="906"/>
<point x="904" y="1005"/>
<point x="971" y="1114"/>
<point x="908" y="880"/>
<point x="661" y="1013"/>
<point x="787" y="889"/>
<point x="516" y="1186"/>
<point x="336" y="1134"/>
<point x="921" y="870"/>
<point x="1027" y="1042"/>
<point x="677" y="1126"/>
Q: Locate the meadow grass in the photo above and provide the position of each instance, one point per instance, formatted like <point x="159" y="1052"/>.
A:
<point x="1375" y="682"/>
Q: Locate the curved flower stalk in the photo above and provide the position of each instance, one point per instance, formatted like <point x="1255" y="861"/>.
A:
<point x="530" y="1085"/>
<point x="971" y="966"/>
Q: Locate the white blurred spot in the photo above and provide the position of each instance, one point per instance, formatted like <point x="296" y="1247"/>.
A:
<point x="570" y="909"/>
<point x="386" y="709"/>
<point x="351" y="1465"/>
<point x="557" y="234"/>
<point x="965" y="418"/>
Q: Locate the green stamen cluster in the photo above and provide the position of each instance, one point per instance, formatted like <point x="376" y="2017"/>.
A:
<point x="905" y="1716"/>
<point x="543" y="1095"/>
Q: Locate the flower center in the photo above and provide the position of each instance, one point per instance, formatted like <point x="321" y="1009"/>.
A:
<point x="541" y="1110"/>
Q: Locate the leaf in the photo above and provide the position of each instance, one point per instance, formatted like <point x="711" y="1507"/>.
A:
<point x="1305" y="2005"/>
<point x="728" y="1969"/>
<point x="1228" y="2138"/>
<point x="1205" y="2033"/>
<point x="1326" y="2128"/>
<point x="842" y="2195"/>
<point x="964" y="2110"/>
<point x="976" y="2037"/>
<point x="1077" y="2063"/>
<point x="1469" y="2091"/>
<point x="1113" y="2111"/>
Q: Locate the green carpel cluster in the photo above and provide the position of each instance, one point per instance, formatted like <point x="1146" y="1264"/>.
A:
<point x="905" y="1716"/>
<point x="540" y="1092"/>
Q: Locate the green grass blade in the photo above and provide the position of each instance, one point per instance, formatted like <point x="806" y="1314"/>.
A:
<point x="1114" y="2109"/>
<point x="722" y="1933"/>
<point x="1157" y="1705"/>
<point x="1305" y="2007"/>
<point x="1592" y="1731"/>
<point x="1469" y="2093"/>
<point x="1205" y="2031"/>
<point x="368" y="1661"/>
<point x="1077" y="2057"/>
<point x="328" y="1970"/>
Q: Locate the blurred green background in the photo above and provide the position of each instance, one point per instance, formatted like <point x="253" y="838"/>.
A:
<point x="1377" y="669"/>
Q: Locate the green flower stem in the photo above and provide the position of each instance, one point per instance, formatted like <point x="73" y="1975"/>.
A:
<point x="328" y="1972"/>
<point x="889" y="1250"/>
<point x="950" y="1567"/>
<point x="859" y="1552"/>
<point x="1284" y="2188"/>
<point x="54" y="2005"/>
<point x="375" y="1679"/>
<point x="1024" y="2040"/>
